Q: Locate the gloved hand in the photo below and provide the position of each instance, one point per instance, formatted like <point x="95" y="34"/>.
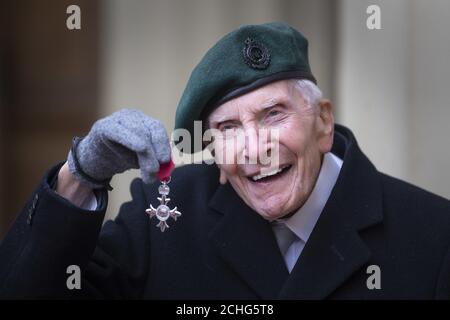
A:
<point x="127" y="139"/>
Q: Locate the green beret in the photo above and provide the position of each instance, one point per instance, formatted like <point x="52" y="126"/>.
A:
<point x="243" y="60"/>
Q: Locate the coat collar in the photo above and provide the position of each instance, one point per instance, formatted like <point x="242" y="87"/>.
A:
<point x="246" y="242"/>
<point x="334" y="250"/>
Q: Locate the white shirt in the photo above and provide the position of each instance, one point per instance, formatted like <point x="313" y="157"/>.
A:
<point x="92" y="202"/>
<point x="303" y="221"/>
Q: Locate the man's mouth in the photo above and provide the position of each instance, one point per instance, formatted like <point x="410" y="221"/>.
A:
<point x="270" y="175"/>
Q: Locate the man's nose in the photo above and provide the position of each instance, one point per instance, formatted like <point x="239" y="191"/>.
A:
<point x="253" y="146"/>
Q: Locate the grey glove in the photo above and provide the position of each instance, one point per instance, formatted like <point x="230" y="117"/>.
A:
<point x="127" y="139"/>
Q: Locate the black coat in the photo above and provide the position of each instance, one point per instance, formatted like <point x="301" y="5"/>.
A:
<point x="220" y="248"/>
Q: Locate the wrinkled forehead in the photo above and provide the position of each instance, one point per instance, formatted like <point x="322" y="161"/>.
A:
<point x="280" y="92"/>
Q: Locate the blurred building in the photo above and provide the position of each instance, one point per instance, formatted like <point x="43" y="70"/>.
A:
<point x="389" y="86"/>
<point x="49" y="91"/>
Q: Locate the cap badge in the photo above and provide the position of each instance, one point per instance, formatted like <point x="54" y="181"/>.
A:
<point x="256" y="54"/>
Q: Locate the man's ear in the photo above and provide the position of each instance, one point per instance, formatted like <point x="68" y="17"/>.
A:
<point x="325" y="125"/>
<point x="223" y="177"/>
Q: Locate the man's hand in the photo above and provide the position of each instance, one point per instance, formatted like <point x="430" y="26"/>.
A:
<point x="127" y="139"/>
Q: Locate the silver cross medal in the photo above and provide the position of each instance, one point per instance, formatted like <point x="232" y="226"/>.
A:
<point x="163" y="212"/>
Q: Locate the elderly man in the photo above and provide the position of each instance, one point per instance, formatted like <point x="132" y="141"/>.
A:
<point x="319" y="222"/>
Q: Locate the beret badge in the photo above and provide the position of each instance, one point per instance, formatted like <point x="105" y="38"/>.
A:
<point x="256" y="54"/>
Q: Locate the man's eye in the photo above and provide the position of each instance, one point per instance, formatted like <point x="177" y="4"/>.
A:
<point x="273" y="113"/>
<point x="225" y="127"/>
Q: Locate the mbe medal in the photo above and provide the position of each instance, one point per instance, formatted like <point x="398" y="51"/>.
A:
<point x="163" y="212"/>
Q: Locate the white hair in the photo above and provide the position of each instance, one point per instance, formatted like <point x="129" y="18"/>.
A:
<point x="309" y="91"/>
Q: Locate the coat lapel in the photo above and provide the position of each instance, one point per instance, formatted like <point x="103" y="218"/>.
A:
<point x="246" y="243"/>
<point x="332" y="254"/>
<point x="335" y="249"/>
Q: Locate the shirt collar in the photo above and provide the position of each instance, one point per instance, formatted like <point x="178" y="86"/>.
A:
<point x="303" y="221"/>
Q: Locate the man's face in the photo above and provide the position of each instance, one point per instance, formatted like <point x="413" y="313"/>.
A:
<point x="304" y="132"/>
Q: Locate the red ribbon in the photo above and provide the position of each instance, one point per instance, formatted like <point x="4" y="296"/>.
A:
<point x="165" y="170"/>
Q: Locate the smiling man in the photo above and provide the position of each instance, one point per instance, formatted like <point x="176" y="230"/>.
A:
<point x="318" y="222"/>
<point x="304" y="124"/>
